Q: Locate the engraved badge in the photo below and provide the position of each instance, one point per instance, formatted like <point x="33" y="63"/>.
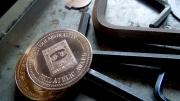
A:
<point x="59" y="58"/>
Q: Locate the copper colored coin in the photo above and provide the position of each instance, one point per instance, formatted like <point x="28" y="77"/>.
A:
<point x="28" y="88"/>
<point x="77" y="3"/>
<point x="59" y="59"/>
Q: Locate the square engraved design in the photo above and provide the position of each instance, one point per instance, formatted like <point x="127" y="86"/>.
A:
<point x="59" y="57"/>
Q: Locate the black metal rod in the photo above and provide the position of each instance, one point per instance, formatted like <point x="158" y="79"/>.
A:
<point x="115" y="86"/>
<point x="158" y="90"/>
<point x="165" y="61"/>
<point x="162" y="16"/>
<point x="84" y="22"/>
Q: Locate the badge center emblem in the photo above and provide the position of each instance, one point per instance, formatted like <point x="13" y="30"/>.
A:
<point x="59" y="58"/>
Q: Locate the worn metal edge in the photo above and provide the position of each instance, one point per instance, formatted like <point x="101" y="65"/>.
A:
<point x="14" y="15"/>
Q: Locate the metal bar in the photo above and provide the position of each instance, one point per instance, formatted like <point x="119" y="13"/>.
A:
<point x="2" y="34"/>
<point x="143" y="67"/>
<point x="137" y="54"/>
<point x="16" y="21"/>
<point x="22" y="15"/>
<point x="162" y="16"/>
<point x="158" y="90"/>
<point x="175" y="8"/>
<point x="165" y="61"/>
<point x="84" y="22"/>
<point x="115" y="86"/>
<point x="111" y="84"/>
<point x="174" y="49"/>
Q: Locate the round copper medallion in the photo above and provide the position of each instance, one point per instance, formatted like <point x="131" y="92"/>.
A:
<point x="28" y="88"/>
<point x="59" y="59"/>
<point x="77" y="3"/>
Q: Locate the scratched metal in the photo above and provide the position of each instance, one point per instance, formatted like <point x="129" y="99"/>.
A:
<point x="48" y="15"/>
<point x="135" y="14"/>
